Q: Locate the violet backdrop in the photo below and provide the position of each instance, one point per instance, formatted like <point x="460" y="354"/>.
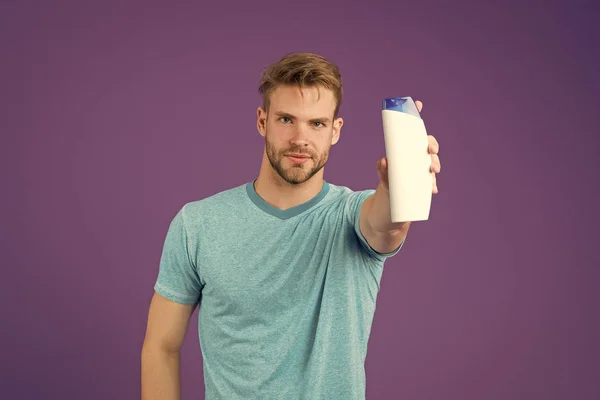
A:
<point x="115" y="114"/>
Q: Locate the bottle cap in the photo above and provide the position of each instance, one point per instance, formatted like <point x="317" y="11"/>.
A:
<point x="402" y="104"/>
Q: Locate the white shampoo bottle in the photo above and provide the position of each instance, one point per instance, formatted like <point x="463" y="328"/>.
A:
<point x="409" y="175"/>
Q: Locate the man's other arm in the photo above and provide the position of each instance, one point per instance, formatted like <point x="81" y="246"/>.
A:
<point x="167" y="325"/>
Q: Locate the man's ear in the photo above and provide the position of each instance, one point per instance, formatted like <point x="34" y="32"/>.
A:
<point x="337" y="129"/>
<point x="261" y="121"/>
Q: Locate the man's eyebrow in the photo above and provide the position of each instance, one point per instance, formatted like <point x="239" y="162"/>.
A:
<point x="322" y="119"/>
<point x="284" y="114"/>
<point x="288" y="115"/>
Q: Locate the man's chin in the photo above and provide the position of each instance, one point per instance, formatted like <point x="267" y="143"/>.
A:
<point x="296" y="179"/>
<point x="295" y="175"/>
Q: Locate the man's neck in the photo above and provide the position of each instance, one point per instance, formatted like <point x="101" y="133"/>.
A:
<point x="282" y="195"/>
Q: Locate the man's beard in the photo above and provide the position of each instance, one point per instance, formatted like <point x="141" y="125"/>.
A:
<point x="296" y="174"/>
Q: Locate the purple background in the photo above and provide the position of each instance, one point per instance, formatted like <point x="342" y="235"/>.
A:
<point x="114" y="115"/>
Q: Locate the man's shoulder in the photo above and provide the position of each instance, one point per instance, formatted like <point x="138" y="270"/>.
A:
<point x="345" y="193"/>
<point x="225" y="199"/>
<point x="349" y="200"/>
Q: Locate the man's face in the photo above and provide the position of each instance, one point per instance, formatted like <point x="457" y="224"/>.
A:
<point x="299" y="131"/>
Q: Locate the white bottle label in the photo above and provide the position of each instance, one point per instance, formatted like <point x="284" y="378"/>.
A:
<point x="409" y="162"/>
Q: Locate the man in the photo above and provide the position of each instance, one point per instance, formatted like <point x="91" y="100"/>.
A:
<point x="285" y="269"/>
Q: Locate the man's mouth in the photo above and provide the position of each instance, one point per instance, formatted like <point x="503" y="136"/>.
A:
<point x="298" y="158"/>
<point x="298" y="155"/>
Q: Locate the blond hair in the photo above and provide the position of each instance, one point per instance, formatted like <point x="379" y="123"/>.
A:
<point x="303" y="70"/>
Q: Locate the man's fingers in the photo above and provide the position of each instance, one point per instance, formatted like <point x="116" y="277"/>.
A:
<point x="382" y="164"/>
<point x="434" y="146"/>
<point x="436" y="166"/>
<point x="381" y="168"/>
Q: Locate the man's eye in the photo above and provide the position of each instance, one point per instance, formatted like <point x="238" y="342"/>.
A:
<point x="318" y="124"/>
<point x="285" y="120"/>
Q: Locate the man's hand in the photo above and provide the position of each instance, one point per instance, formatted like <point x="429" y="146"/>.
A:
<point x="433" y="148"/>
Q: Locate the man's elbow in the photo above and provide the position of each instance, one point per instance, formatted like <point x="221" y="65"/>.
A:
<point x="161" y="346"/>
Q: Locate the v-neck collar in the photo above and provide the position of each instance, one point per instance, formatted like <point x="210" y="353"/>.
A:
<point x="290" y="212"/>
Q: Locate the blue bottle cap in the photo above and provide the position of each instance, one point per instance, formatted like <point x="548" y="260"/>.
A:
<point x="402" y="104"/>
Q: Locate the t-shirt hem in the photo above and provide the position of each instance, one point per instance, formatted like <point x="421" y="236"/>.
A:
<point x="173" y="295"/>
<point x="379" y="256"/>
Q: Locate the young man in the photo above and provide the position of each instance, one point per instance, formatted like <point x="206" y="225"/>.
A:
<point x="285" y="269"/>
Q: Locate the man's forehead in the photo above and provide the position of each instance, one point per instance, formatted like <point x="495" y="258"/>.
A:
<point x="312" y="94"/>
<point x="306" y="102"/>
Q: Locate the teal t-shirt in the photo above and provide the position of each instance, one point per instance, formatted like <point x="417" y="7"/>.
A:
<point x="286" y="298"/>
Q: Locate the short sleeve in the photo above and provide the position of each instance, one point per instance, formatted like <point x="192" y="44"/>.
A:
<point x="353" y="208"/>
<point x="178" y="278"/>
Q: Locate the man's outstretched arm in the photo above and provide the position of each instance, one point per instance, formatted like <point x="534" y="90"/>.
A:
<point x="375" y="223"/>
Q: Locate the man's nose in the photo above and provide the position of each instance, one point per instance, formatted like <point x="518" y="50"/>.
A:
<point x="299" y="136"/>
